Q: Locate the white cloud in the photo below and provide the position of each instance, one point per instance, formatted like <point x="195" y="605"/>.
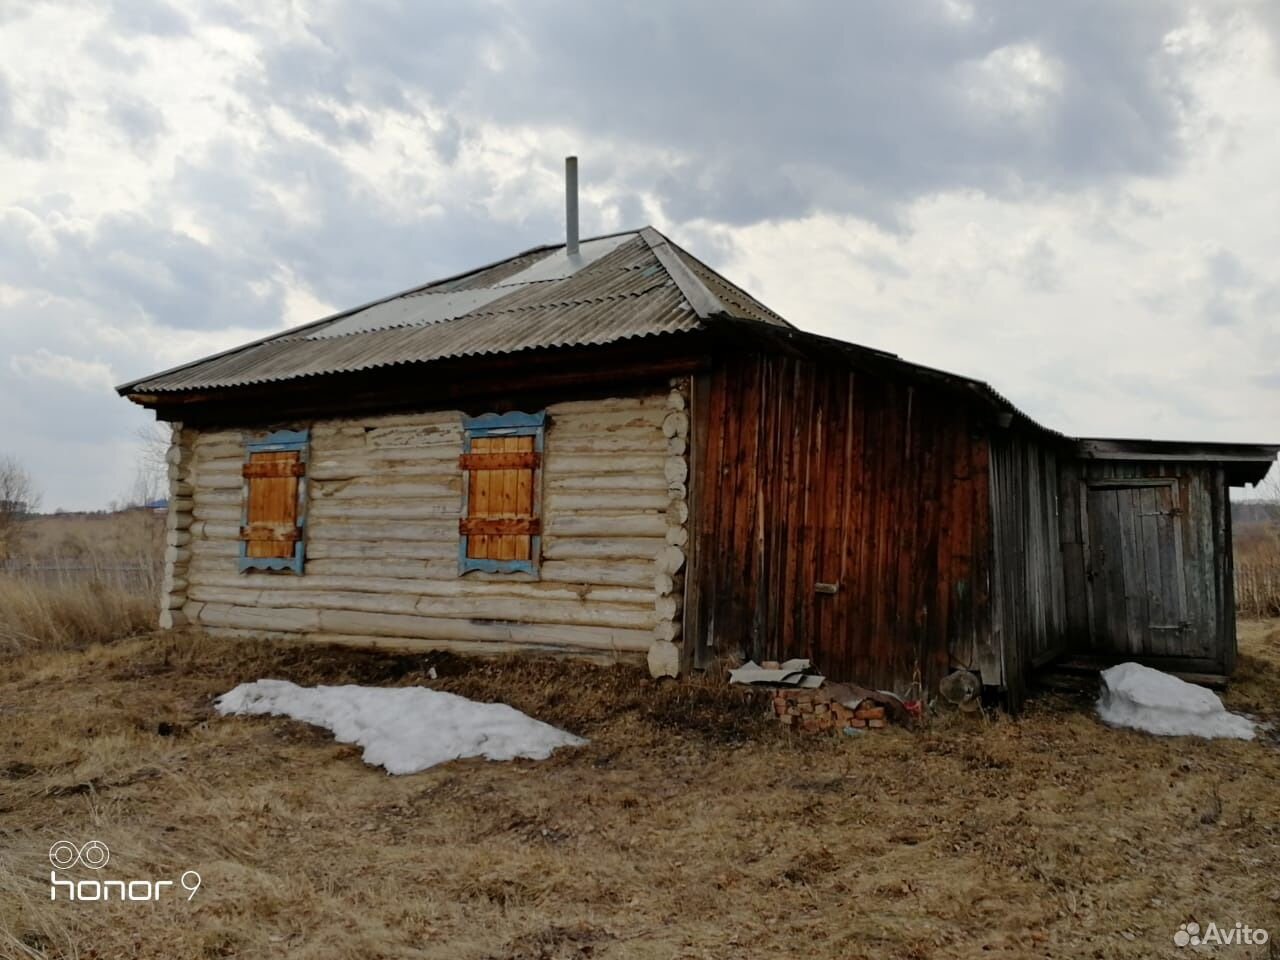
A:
<point x="1074" y="208"/>
<point x="69" y="371"/>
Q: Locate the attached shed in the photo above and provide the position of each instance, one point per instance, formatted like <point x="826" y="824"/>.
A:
<point x="609" y="450"/>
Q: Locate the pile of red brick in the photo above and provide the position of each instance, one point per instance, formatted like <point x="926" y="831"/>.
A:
<point x="813" y="711"/>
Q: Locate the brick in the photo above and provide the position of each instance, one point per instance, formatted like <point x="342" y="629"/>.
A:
<point x="876" y="723"/>
<point x="855" y="722"/>
<point x="870" y="713"/>
<point x="821" y="709"/>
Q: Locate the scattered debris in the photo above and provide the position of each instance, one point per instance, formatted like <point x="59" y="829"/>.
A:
<point x="820" y="711"/>
<point x="404" y="729"/>
<point x="1146" y="699"/>
<point x="790" y="673"/>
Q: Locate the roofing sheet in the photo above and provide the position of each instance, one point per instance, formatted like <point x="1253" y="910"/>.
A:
<point x="415" y="310"/>
<point x="560" y="264"/>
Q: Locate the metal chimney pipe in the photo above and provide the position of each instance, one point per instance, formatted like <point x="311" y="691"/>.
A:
<point x="571" y="206"/>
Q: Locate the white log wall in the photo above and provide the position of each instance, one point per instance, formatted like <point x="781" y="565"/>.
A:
<point x="385" y="495"/>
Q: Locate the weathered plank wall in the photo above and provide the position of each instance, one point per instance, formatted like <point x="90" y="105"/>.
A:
<point x="1028" y="593"/>
<point x="1100" y="620"/>
<point x="811" y="473"/>
<point x="382" y="536"/>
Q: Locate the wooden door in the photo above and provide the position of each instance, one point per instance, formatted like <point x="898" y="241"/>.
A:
<point x="1137" y="576"/>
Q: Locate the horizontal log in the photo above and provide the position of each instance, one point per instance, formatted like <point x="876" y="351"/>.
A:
<point x="437" y="628"/>
<point x="217" y="551"/>
<point x="352" y="469"/>
<point x="581" y="573"/>
<point x="613" y="501"/>
<point x="590" y="483"/>
<point x="449" y="585"/>
<point x="562" y="524"/>
<point x="201" y="530"/>
<point x="209" y="569"/>
<point x="437" y="508"/>
<point x="326" y="527"/>
<point x="499" y="526"/>
<point x="603" y="463"/>
<point x="630" y="442"/>
<point x="413" y="435"/>
<point x="257" y="618"/>
<point x="487" y="608"/>
<point x="520" y="460"/>
<point x="621" y="548"/>
<point x="206" y="498"/>
<point x="218" y="512"/>
<point x="389" y="488"/>
<point x="346" y="454"/>
<point x="631" y="402"/>
<point x="213" y="438"/>
<point x="364" y="550"/>
<point x="203" y="479"/>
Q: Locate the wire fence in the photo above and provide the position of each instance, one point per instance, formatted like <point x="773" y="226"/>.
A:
<point x="140" y="575"/>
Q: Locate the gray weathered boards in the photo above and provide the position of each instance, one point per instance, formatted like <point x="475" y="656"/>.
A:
<point x="1149" y="539"/>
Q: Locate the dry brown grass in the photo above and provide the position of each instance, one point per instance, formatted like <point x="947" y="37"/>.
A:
<point x="69" y="614"/>
<point x="1257" y="566"/>
<point x="81" y="579"/>
<point x="689" y="827"/>
<point x="128" y="534"/>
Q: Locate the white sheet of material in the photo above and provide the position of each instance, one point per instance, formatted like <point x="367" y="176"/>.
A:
<point x="1147" y="699"/>
<point x="404" y="729"/>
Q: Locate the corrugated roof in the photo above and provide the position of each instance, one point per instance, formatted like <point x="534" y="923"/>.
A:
<point x="618" y="287"/>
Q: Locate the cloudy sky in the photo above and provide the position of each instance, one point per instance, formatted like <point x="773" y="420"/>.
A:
<point x="1075" y="201"/>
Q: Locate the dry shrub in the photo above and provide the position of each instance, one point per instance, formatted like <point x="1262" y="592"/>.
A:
<point x="36" y="616"/>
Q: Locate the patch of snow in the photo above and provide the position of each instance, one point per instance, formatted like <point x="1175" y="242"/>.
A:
<point x="1147" y="699"/>
<point x="404" y="729"/>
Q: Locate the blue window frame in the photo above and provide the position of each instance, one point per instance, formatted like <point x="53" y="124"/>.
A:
<point x="281" y="441"/>
<point x="490" y="426"/>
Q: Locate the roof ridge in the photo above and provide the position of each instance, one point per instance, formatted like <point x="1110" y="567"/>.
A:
<point x="699" y="296"/>
<point x="681" y="251"/>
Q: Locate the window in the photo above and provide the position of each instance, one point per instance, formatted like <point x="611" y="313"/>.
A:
<point x="500" y="531"/>
<point x="275" y="496"/>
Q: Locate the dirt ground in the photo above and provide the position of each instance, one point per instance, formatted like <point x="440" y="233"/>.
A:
<point x="690" y="827"/>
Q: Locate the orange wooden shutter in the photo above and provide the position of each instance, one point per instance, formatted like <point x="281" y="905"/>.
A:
<point x="500" y="521"/>
<point x="271" y="527"/>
